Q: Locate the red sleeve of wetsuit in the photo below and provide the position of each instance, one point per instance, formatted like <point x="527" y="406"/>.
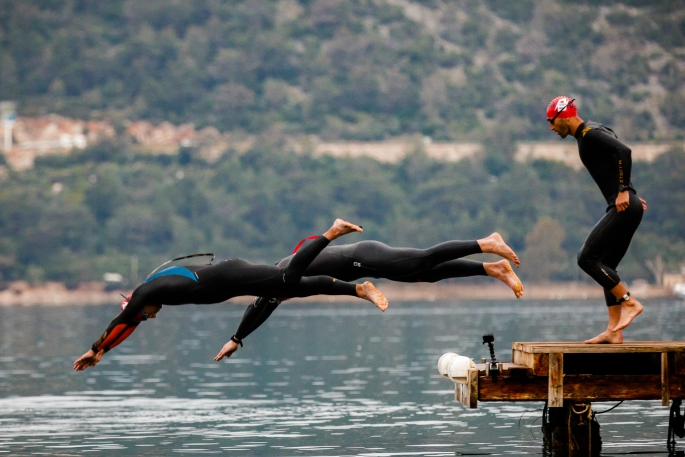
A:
<point x="121" y="326"/>
<point x="114" y="337"/>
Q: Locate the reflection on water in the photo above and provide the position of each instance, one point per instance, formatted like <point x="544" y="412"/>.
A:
<point x="317" y="379"/>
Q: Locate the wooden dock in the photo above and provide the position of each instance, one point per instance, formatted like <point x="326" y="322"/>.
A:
<point x="570" y="376"/>
<point x="578" y="372"/>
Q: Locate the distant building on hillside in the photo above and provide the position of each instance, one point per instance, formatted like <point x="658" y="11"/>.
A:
<point x="53" y="134"/>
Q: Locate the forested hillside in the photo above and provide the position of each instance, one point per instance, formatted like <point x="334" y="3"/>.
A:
<point x="365" y="70"/>
<point x="462" y="70"/>
<point x="73" y="218"/>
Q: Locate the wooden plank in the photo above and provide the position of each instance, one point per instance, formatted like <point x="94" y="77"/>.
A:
<point x="670" y="345"/>
<point x="467" y="394"/>
<point x="521" y="347"/>
<point x="526" y="344"/>
<point x="665" y="398"/>
<point x="508" y="369"/>
<point x="473" y="389"/>
<point x="541" y="364"/>
<point x="538" y="363"/>
<point x="461" y="393"/>
<point x="556" y="381"/>
<point x="523" y="358"/>
<point x="516" y="370"/>
<point x="582" y="388"/>
<point x="532" y="361"/>
<point x="551" y="347"/>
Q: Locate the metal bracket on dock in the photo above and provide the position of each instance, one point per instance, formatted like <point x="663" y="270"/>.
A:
<point x="489" y="338"/>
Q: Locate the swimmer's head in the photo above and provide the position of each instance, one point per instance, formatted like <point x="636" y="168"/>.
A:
<point x="148" y="311"/>
<point x="562" y="113"/>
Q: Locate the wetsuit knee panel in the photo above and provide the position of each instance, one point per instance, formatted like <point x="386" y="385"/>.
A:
<point x="582" y="259"/>
<point x="589" y="262"/>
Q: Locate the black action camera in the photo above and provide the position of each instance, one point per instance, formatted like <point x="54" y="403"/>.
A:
<point x="489" y="338"/>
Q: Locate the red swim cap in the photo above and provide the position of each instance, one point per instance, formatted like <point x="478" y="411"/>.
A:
<point x="562" y="105"/>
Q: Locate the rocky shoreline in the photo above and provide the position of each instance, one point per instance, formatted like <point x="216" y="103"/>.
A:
<point x="20" y="293"/>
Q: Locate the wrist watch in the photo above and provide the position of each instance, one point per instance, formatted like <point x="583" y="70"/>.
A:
<point x="623" y="187"/>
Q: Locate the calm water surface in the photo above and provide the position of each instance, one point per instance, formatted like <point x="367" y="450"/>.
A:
<point x="316" y="380"/>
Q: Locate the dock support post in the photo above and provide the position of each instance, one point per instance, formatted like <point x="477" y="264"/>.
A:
<point x="473" y="388"/>
<point x="665" y="388"/>
<point x="571" y="430"/>
<point x="467" y="394"/>
<point x="676" y="426"/>
<point x="555" y="395"/>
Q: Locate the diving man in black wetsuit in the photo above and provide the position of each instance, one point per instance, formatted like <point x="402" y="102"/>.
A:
<point x="609" y="162"/>
<point x="178" y="285"/>
<point x="377" y="260"/>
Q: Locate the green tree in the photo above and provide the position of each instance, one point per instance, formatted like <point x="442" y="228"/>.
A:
<point x="544" y="257"/>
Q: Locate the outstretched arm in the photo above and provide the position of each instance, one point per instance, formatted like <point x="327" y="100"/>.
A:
<point x="255" y="315"/>
<point x="116" y="332"/>
<point x="113" y="336"/>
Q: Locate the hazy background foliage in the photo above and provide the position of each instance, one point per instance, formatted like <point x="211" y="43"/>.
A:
<point x="361" y="70"/>
<point x="462" y="70"/>
<point x="72" y="218"/>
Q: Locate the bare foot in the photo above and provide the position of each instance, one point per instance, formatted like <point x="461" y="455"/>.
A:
<point x="607" y="337"/>
<point x="502" y="270"/>
<point x="494" y="244"/>
<point x="369" y="292"/>
<point x="340" y="228"/>
<point x="629" y="311"/>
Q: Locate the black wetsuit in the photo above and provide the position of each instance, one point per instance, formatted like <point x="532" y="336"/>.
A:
<point x="372" y="259"/>
<point x="216" y="283"/>
<point x="609" y="163"/>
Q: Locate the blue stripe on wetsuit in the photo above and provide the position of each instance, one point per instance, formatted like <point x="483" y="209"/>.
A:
<point x="173" y="271"/>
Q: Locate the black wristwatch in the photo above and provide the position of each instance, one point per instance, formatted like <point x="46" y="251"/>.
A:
<point x="237" y="340"/>
<point x="623" y="187"/>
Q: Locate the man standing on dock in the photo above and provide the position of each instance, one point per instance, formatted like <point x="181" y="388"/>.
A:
<point x="609" y="162"/>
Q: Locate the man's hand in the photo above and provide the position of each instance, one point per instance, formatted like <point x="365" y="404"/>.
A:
<point x="89" y="359"/>
<point x="622" y="201"/>
<point x="227" y="351"/>
<point x="644" y="205"/>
